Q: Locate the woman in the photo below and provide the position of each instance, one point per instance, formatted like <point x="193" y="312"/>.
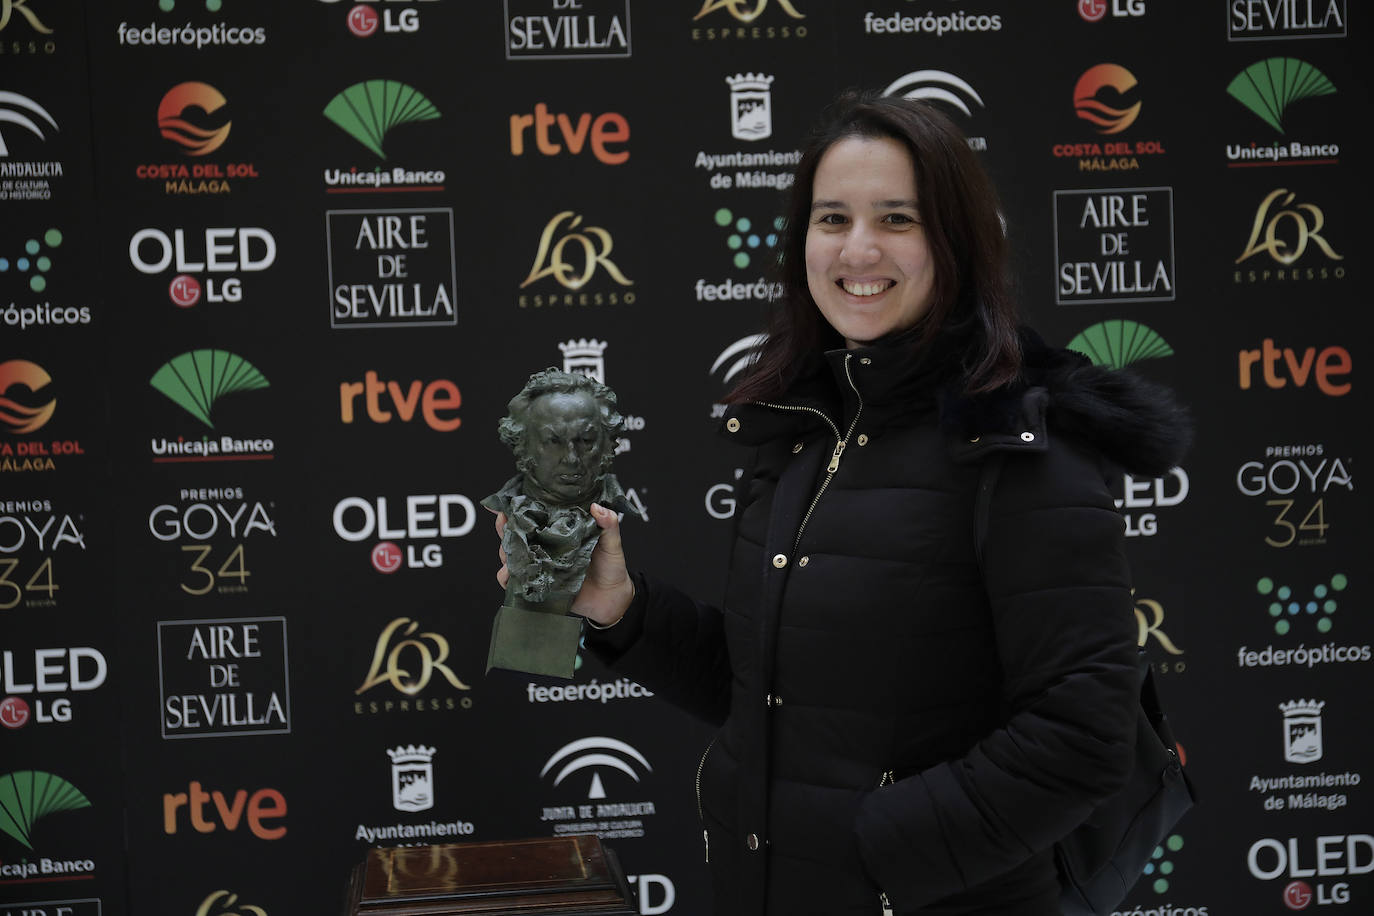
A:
<point x="908" y="719"/>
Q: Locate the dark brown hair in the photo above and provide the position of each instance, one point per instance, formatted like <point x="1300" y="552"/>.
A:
<point x="958" y="208"/>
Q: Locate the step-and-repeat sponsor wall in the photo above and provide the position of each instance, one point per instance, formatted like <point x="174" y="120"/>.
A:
<point x="270" y="271"/>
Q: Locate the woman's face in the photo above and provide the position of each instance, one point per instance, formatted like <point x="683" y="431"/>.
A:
<point x="868" y="266"/>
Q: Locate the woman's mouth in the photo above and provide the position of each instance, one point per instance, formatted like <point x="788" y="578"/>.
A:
<point x="866" y="288"/>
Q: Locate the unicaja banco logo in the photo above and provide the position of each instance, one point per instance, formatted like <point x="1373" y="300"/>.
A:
<point x="16" y="417"/>
<point x="1119" y="343"/>
<point x="1268" y="87"/>
<point x="197" y="379"/>
<point x="594" y="753"/>
<point x="367" y="111"/>
<point x="1302" y="730"/>
<point x="175" y="113"/>
<point x="1106" y="118"/>
<point x="22" y="110"/>
<point x="28" y="795"/>
<point x="412" y="777"/>
<point x="1285" y="607"/>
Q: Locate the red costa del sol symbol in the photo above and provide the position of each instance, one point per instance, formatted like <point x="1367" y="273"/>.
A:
<point x="386" y="556"/>
<point x="14" y="712"/>
<point x="1297" y="895"/>
<point x="184" y="290"/>
<point x="1092" y="10"/>
<point x="362" y="21"/>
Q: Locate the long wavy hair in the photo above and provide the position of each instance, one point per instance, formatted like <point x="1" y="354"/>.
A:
<point x="959" y="212"/>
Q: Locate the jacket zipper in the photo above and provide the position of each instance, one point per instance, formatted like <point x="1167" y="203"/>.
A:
<point x="887" y="779"/>
<point x="701" y="812"/>
<point x="840" y="443"/>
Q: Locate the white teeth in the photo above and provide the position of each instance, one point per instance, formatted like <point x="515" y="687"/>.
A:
<point x="865" y="289"/>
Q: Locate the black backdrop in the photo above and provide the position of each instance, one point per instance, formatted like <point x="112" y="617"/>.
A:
<point x="270" y="272"/>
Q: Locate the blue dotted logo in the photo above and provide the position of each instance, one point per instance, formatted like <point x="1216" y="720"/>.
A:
<point x="1286" y="608"/>
<point x="1161" y="866"/>
<point x="746" y="240"/>
<point x="35" y="262"/>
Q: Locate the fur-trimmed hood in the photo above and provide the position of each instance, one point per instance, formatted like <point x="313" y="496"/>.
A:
<point x="1136" y="424"/>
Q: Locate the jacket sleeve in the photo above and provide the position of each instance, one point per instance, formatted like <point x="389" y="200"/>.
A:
<point x="672" y="644"/>
<point x="1060" y="596"/>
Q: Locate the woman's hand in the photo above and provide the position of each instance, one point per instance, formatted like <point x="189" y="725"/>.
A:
<point x="607" y="590"/>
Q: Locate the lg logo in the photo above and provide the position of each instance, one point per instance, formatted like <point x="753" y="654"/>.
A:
<point x="1096" y="10"/>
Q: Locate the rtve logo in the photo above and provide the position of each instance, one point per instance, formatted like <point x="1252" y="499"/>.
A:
<point x="262" y="806"/>
<point x="1324" y="366"/>
<point x="431" y="398"/>
<point x="607" y="128"/>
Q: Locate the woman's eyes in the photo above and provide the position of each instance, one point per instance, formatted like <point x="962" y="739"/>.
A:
<point x="900" y="218"/>
<point x="832" y="219"/>
<point x="839" y="219"/>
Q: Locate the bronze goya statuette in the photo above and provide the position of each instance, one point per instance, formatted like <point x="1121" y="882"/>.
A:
<point x="562" y="427"/>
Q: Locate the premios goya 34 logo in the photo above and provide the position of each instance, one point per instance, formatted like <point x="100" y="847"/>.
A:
<point x="31" y="537"/>
<point x="573" y="255"/>
<point x="1267" y="89"/>
<point x="1285" y="231"/>
<point x="408" y="659"/>
<point x="213" y="526"/>
<point x="225" y="676"/>
<point x="368" y="112"/>
<point x="1297" y="481"/>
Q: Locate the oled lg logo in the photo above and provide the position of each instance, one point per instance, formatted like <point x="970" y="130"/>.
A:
<point x="364" y="21"/>
<point x="1331" y="856"/>
<point x="1159" y="493"/>
<point x="227" y="251"/>
<point x="53" y="671"/>
<point x="427" y="517"/>
<point x="1096" y="10"/>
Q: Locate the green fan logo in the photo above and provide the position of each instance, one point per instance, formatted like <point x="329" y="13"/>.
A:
<point x="1118" y="343"/>
<point x="197" y="379"/>
<point x="28" y="795"/>
<point x="1268" y="87"/>
<point x="366" y="111"/>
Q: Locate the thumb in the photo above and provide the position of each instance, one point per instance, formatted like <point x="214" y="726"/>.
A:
<point x="609" y="523"/>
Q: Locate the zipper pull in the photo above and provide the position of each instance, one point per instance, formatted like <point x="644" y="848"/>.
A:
<point x="887" y="904"/>
<point x="834" y="464"/>
<point x="706" y="838"/>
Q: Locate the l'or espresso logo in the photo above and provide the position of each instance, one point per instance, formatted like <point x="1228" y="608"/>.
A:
<point x="1114" y="245"/>
<point x="213" y="526"/>
<point x="567" y="29"/>
<point x="1294" y="482"/>
<point x="1326" y="369"/>
<point x="1309" y="788"/>
<point x="391" y="268"/>
<point x="22" y="118"/>
<point x="1283" y="231"/>
<point x="780" y="18"/>
<point x="223" y="677"/>
<point x="1106" y="97"/>
<point x="30" y="796"/>
<point x="1152" y="637"/>
<point x="1263" y="20"/>
<point x="427" y="519"/>
<point x="39" y="686"/>
<point x="21" y="29"/>
<point x="261" y="811"/>
<point x="368" y="112"/>
<point x="409" y="661"/>
<point x="196" y="381"/>
<point x="221" y="254"/>
<point x="32" y="538"/>
<point x="1268" y="89"/>
<point x="194" y="119"/>
<point x="1310" y="864"/>
<point x="1151" y="494"/>
<point x="573" y="255"/>
<point x="751" y="120"/>
<point x="568" y="769"/>
<point x="227" y="903"/>
<point x="27" y="403"/>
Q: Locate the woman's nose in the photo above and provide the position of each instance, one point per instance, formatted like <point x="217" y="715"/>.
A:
<point x="860" y="247"/>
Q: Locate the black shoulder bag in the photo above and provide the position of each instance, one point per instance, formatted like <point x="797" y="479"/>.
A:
<point x="1104" y="856"/>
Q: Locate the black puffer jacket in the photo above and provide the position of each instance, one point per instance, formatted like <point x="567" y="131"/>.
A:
<point x="897" y="724"/>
